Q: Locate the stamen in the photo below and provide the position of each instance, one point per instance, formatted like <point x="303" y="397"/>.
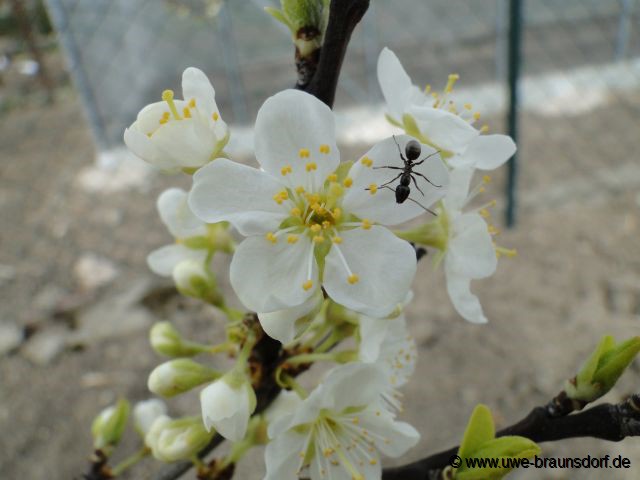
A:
<point x="192" y="103"/>
<point x="167" y="96"/>
<point x="315" y="228"/>
<point x="484" y="213"/>
<point x="486" y="178"/>
<point x="324" y="149"/>
<point x="300" y="190"/>
<point x="484" y="128"/>
<point x="292" y="239"/>
<point x="165" y="118"/>
<point x="337" y="240"/>
<point x="311" y="166"/>
<point x="366" y="161"/>
<point x="271" y="237"/>
<point x="347" y="182"/>
<point x="453" y="78"/>
<point x="303" y="153"/>
<point x="326" y="224"/>
<point x="366" y="223"/>
<point x="215" y="116"/>
<point x="353" y="279"/>
<point x="337" y="213"/>
<point x="476" y="116"/>
<point x="468" y="106"/>
<point x="286" y="169"/>
<point x="306" y="286"/>
<point x="295" y="212"/>
<point x="318" y="239"/>
<point x="373" y="188"/>
<point x="333" y="177"/>
<point x="186" y="113"/>
<point x="500" y="251"/>
<point x="427" y="89"/>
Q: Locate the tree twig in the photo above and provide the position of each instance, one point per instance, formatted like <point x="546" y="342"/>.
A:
<point x="612" y="422"/>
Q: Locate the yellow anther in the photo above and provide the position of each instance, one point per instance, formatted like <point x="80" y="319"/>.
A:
<point x="486" y="178"/>
<point x="493" y="230"/>
<point x="453" y="109"/>
<point x="311" y="166"/>
<point x="337" y="240"/>
<point x="303" y="153"/>
<point x="481" y="189"/>
<point x="435" y="95"/>
<point x="327" y="452"/>
<point x="300" y="190"/>
<point x="355" y="420"/>
<point x="468" y="106"/>
<point x="333" y="177"/>
<point x="476" y="116"/>
<point x="347" y="182"/>
<point x="292" y="238"/>
<point x="366" y="161"/>
<point x="284" y="195"/>
<point x="165" y="118"/>
<point x="286" y="169"/>
<point x="484" y="213"/>
<point x="296" y="212"/>
<point x="307" y="285"/>
<point x="353" y="279"/>
<point x="167" y="96"/>
<point x="315" y="228"/>
<point x="318" y="239"/>
<point x="484" y="128"/>
<point x="337" y="213"/>
<point x="192" y="103"/>
<point x="493" y="203"/>
<point x="326" y="224"/>
<point x="453" y="78"/>
<point x="427" y="89"/>
<point x="366" y="223"/>
<point x="163" y="121"/>
<point x="501" y="251"/>
<point x="373" y="189"/>
<point x="186" y="113"/>
<point x="324" y="149"/>
<point x="271" y="237"/>
<point x="373" y="461"/>
<point x="215" y="116"/>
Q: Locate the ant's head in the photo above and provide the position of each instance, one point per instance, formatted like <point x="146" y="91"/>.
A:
<point x="412" y="150"/>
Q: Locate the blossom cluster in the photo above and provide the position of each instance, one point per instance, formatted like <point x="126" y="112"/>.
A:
<point x="317" y="261"/>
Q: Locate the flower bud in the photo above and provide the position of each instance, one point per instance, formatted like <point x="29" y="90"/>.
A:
<point x="146" y="412"/>
<point x="602" y="369"/>
<point x="108" y="426"/>
<point x="166" y="340"/>
<point x="193" y="280"/>
<point x="178" y="376"/>
<point x="227" y="405"/>
<point x="180" y="439"/>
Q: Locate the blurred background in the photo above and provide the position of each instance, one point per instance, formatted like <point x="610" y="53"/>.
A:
<point x="78" y="217"/>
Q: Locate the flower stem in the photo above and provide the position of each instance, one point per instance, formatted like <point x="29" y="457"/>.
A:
<point x="130" y="461"/>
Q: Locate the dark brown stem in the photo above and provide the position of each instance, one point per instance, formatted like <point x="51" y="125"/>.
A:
<point x="544" y="424"/>
<point x="344" y="15"/>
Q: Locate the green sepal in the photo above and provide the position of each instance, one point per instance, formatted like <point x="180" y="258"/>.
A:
<point x="107" y="429"/>
<point x="196" y="243"/>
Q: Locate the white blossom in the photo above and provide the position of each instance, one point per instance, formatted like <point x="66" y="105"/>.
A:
<point x="146" y="412"/>
<point x="175" y="134"/>
<point x="309" y="225"/>
<point x="339" y="431"/>
<point x="438" y="120"/>
<point x="172" y="440"/>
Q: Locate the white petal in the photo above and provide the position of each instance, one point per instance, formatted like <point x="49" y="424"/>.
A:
<point x="400" y="436"/>
<point x="289" y="121"/>
<point x="195" y="84"/>
<point x="187" y="142"/>
<point x="471" y="252"/>
<point x="398" y="352"/>
<point x="282" y="456"/>
<point x="143" y="147"/>
<point x="352" y="385"/>
<point x="394" y="83"/>
<point x="163" y="260"/>
<point x="225" y="190"/>
<point x="465" y="302"/>
<point x="281" y="324"/>
<point x="177" y="216"/>
<point x="269" y="277"/>
<point x="334" y="468"/>
<point x="285" y="403"/>
<point x="372" y="332"/>
<point x="381" y="207"/>
<point x="226" y="409"/>
<point x="385" y="266"/>
<point x="146" y="412"/>
<point x="458" y="193"/>
<point x="486" y="152"/>
<point x="445" y="129"/>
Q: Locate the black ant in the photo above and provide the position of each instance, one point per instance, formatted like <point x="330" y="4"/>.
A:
<point x="412" y="151"/>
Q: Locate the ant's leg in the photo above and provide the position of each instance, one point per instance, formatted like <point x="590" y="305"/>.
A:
<point x="399" y="150"/>
<point x="425" y="208"/>
<point x="416" y="184"/>
<point x="418" y="173"/>
<point x="390" y="181"/>
<point x="389" y="166"/>
<point x="426" y="158"/>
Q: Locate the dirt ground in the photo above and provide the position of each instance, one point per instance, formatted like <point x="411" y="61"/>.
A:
<point x="577" y="277"/>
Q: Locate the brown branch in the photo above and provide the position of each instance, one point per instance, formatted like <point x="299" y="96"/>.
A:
<point x="543" y="424"/>
<point x="344" y="15"/>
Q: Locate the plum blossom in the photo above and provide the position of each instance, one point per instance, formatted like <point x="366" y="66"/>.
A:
<point x="338" y="431"/>
<point x="146" y="412"/>
<point x="311" y="222"/>
<point x="434" y="119"/>
<point x="175" y="134"/>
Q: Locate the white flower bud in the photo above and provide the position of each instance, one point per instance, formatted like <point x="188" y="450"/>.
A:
<point x="227" y="405"/>
<point x="178" y="376"/>
<point x="173" y="440"/>
<point x="146" y="412"/>
<point x="108" y="426"/>
<point x="166" y="340"/>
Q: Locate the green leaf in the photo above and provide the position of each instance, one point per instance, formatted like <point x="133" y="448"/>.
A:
<point x="280" y="16"/>
<point x="589" y="368"/>
<point x="480" y="430"/>
<point x="501" y="449"/>
<point x="614" y="362"/>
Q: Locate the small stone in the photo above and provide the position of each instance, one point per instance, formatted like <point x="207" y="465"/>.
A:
<point x="7" y="273"/>
<point x="11" y="336"/>
<point x="93" y="271"/>
<point x="45" y="346"/>
<point x="48" y="298"/>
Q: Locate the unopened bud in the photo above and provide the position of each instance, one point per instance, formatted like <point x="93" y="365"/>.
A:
<point x="146" y="412"/>
<point x="166" y="340"/>
<point x="180" y="439"/>
<point x="178" y="376"/>
<point x="108" y="426"/>
<point x="193" y="280"/>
